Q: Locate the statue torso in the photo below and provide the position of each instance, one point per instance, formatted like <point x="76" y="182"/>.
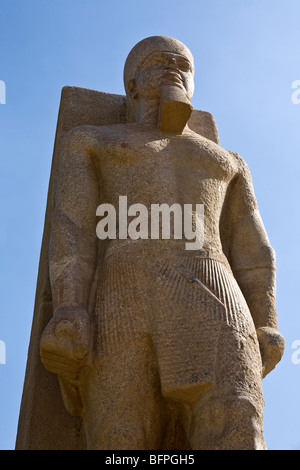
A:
<point x="150" y="167"/>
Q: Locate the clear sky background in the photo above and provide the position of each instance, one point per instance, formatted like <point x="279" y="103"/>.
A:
<point x="246" y="56"/>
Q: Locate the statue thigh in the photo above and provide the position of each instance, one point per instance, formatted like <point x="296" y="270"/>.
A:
<point x="122" y="402"/>
<point x="230" y="414"/>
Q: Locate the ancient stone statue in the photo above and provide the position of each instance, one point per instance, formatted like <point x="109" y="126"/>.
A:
<point x="155" y="346"/>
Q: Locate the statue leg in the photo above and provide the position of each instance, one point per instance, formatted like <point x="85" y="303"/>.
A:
<point x="230" y="415"/>
<point x="122" y="402"/>
<point x="227" y="421"/>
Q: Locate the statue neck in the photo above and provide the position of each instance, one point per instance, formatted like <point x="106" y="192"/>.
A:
<point x="170" y="111"/>
<point x="148" y="111"/>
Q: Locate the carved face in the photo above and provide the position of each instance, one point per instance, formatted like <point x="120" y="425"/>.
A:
<point x="163" y="68"/>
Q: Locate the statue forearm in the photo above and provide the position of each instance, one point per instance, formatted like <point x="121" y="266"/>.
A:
<point x="259" y="289"/>
<point x="253" y="263"/>
<point x="73" y="241"/>
<point x="66" y="341"/>
<point x="72" y="255"/>
<point x="258" y="286"/>
<point x="71" y="283"/>
<point x="256" y="276"/>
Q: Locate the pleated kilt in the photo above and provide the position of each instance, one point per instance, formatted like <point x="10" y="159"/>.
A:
<point x="182" y="300"/>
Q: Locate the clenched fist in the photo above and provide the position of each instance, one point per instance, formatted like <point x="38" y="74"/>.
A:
<point x="271" y="344"/>
<point x="66" y="342"/>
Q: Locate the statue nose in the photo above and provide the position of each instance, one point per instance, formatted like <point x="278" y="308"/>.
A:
<point x="172" y="64"/>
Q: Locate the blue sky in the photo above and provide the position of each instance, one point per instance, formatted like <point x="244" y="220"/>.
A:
<point x="246" y="56"/>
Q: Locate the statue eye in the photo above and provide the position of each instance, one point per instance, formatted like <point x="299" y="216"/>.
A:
<point x="155" y="61"/>
<point x="151" y="61"/>
<point x="184" y="64"/>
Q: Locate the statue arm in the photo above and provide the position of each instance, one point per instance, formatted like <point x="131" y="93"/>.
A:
<point x="253" y="262"/>
<point x="66" y="341"/>
<point x="73" y="241"/>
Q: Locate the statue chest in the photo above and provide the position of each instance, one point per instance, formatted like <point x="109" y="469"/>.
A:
<point x="148" y="169"/>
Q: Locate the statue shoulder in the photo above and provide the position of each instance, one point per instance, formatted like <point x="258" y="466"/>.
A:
<point x="240" y="165"/>
<point x="242" y="180"/>
<point x="91" y="136"/>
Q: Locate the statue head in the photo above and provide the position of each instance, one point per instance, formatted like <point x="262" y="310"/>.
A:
<point x="154" y="62"/>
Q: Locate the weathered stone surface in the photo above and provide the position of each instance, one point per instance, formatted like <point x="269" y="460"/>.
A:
<point x="143" y="343"/>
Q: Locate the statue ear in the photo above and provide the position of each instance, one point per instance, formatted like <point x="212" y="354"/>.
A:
<point x="132" y="89"/>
